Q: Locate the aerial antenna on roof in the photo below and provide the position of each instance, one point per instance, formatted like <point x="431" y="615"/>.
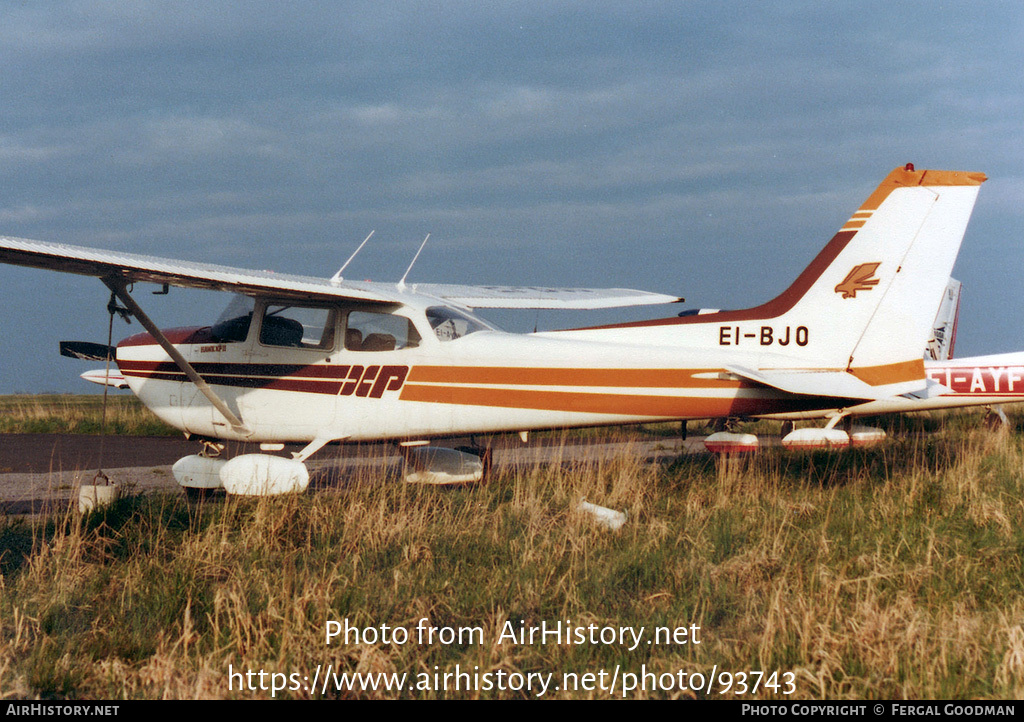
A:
<point x="336" y="278"/>
<point x="401" y="283"/>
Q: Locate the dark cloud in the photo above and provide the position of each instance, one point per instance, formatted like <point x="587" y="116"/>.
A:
<point x="704" y="148"/>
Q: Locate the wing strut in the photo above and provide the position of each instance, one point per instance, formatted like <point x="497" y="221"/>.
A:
<point x="117" y="285"/>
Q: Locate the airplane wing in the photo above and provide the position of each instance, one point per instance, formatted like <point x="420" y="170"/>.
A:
<point x="132" y="268"/>
<point x="542" y="296"/>
<point x="150" y="269"/>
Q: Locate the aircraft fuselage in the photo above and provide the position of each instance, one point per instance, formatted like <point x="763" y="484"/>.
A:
<point x="487" y="381"/>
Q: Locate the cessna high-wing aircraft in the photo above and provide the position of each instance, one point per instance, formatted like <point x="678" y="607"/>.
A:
<point x="298" y="359"/>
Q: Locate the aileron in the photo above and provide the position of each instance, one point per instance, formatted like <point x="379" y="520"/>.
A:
<point x="133" y="268"/>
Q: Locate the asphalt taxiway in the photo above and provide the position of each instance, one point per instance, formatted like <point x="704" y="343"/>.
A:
<point x="41" y="473"/>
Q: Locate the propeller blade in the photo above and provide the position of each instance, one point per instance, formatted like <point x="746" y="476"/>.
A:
<point x="86" y="350"/>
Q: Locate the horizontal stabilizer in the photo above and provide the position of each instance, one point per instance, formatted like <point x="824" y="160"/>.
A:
<point x="931" y="390"/>
<point x="542" y="297"/>
<point x="839" y="384"/>
<point x="104" y="377"/>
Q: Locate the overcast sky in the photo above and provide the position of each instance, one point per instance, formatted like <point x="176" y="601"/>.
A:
<point x="707" y="149"/>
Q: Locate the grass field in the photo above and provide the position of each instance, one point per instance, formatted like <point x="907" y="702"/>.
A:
<point x="78" y="414"/>
<point x="894" y="572"/>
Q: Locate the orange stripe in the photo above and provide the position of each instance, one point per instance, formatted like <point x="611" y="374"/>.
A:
<point x="612" y="378"/>
<point x="902" y="178"/>
<point x="617" y="404"/>
<point x="890" y="373"/>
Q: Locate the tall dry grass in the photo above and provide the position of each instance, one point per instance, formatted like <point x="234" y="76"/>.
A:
<point x="78" y="414"/>
<point x="892" y="572"/>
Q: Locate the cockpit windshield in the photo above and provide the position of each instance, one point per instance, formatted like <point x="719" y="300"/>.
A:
<point x="449" y="323"/>
<point x="233" y="324"/>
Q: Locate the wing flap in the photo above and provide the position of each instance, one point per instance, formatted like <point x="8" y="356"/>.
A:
<point x="542" y="297"/>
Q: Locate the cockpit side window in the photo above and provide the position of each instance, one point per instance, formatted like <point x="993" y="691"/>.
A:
<point x="297" y="326"/>
<point x="233" y="324"/>
<point x="371" y="331"/>
<point x="450" y="324"/>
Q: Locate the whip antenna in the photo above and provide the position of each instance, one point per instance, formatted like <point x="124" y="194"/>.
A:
<point x="336" y="278"/>
<point x="401" y="284"/>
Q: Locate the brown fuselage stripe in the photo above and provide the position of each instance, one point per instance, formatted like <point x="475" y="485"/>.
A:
<point x="281" y="384"/>
<point x="493" y="375"/>
<point x="329" y="379"/>
<point x="563" y="401"/>
<point x="772" y="309"/>
<point x="325" y="371"/>
<point x="280" y="377"/>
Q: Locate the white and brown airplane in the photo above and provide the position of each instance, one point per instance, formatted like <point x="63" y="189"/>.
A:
<point x="315" y="361"/>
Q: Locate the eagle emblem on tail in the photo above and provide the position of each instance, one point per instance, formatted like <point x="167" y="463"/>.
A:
<point x="860" y="278"/>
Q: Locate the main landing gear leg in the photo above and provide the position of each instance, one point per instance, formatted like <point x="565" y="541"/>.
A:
<point x="486" y="454"/>
<point x="996" y="419"/>
<point x="723" y="423"/>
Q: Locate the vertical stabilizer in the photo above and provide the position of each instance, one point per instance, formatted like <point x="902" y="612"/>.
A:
<point x="865" y="305"/>
<point x="918" y="229"/>
<point x="940" y="345"/>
